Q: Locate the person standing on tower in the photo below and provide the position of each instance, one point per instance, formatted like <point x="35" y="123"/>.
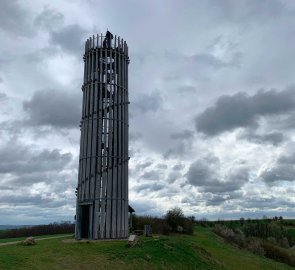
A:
<point x="107" y="42"/>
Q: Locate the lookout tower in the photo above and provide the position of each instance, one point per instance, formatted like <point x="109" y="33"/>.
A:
<point x="102" y="191"/>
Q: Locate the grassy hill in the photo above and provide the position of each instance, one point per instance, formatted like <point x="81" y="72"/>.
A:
<point x="203" y="250"/>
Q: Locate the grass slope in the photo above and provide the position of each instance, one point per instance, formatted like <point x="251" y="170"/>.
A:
<point x="231" y="257"/>
<point x="204" y="250"/>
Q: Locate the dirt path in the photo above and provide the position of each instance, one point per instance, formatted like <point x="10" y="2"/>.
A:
<point x="37" y="239"/>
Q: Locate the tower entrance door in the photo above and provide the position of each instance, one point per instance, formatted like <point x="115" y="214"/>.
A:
<point x="85" y="221"/>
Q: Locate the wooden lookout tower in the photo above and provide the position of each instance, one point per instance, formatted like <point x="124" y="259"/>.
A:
<point x="102" y="191"/>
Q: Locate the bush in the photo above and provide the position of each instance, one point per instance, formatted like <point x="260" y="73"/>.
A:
<point x="158" y="224"/>
<point x="278" y="254"/>
<point x="272" y="240"/>
<point x="172" y="222"/>
<point x="188" y="225"/>
<point x="166" y="229"/>
<point x="254" y="245"/>
<point x="30" y="241"/>
<point x="265" y="230"/>
<point x="203" y="222"/>
<point x="175" y="218"/>
<point x="284" y="243"/>
<point x="272" y="234"/>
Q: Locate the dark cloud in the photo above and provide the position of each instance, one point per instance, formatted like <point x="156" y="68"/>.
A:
<point x="162" y="166"/>
<point x="3" y="96"/>
<point x="282" y="170"/>
<point x="54" y="108"/>
<point x="144" y="103"/>
<point x="274" y="138"/>
<point x="205" y="175"/>
<point x="205" y="59"/>
<point x="28" y="178"/>
<point x="200" y="173"/>
<point x="151" y="187"/>
<point x="173" y="176"/>
<point x="178" y="167"/>
<point x="143" y="166"/>
<point x="70" y="39"/>
<point x="49" y="18"/>
<point x="14" y="20"/>
<point x="269" y="202"/>
<point x="185" y="134"/>
<point x="284" y="123"/>
<point x="182" y="146"/>
<point x="216" y="200"/>
<point x="287" y="159"/>
<point x="18" y="159"/>
<point x="33" y="177"/>
<point x="135" y="136"/>
<point x="41" y="55"/>
<point x="36" y="199"/>
<point x="180" y="149"/>
<point x="242" y="110"/>
<point x="151" y="175"/>
<point x="186" y="89"/>
<point x="250" y="12"/>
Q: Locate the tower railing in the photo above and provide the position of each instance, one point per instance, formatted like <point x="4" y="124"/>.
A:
<point x="100" y="41"/>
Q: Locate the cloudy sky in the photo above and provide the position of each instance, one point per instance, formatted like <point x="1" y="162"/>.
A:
<point x="212" y="113"/>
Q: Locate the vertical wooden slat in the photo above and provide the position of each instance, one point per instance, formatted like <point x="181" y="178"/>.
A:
<point x="114" y="150"/>
<point x="107" y="145"/>
<point x="84" y="123"/>
<point x="79" y="195"/>
<point x="123" y="145"/>
<point x="94" y="135"/>
<point x="89" y="135"/>
<point x="126" y="142"/>
<point x="101" y="168"/>
<point x="104" y="159"/>
<point x="99" y="139"/>
<point x="126" y="146"/>
<point x="95" y="144"/>
<point x="85" y="138"/>
<point x="119" y="222"/>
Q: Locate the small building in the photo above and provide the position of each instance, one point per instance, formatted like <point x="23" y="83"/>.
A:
<point x="130" y="210"/>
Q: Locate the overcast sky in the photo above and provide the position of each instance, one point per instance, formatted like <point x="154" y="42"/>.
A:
<point x="212" y="113"/>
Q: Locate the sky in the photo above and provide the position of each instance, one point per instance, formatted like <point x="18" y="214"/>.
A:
<point x="212" y="105"/>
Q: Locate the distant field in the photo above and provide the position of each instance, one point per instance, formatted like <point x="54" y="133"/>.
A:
<point x="9" y="227"/>
<point x="204" y="250"/>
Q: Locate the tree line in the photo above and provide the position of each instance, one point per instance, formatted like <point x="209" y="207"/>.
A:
<point x="53" y="228"/>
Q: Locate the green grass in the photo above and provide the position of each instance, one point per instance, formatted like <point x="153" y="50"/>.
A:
<point x="13" y="239"/>
<point x="291" y="231"/>
<point x="204" y="251"/>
